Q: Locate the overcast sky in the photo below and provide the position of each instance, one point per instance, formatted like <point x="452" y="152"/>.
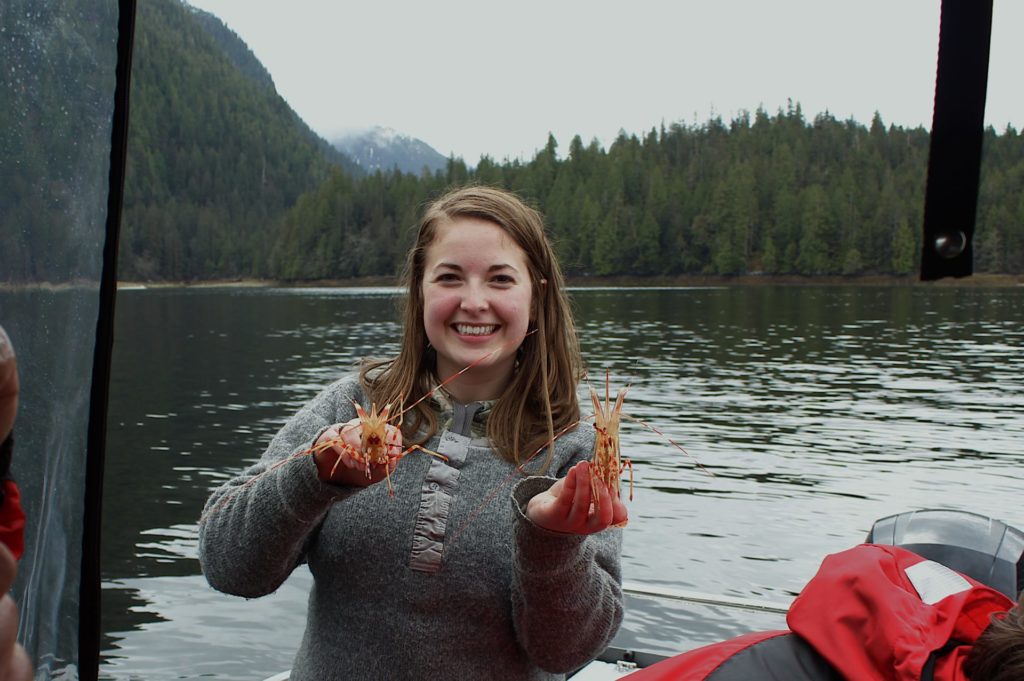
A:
<point x="473" y="77"/>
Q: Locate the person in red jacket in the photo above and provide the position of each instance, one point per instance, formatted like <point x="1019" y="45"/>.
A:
<point x="873" y="612"/>
<point x="14" y="661"/>
<point x="12" y="518"/>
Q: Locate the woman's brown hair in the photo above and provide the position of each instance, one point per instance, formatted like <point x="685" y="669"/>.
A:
<point x="998" y="654"/>
<point x="540" y="400"/>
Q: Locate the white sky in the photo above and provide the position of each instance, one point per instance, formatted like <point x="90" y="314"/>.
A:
<point x="474" y="77"/>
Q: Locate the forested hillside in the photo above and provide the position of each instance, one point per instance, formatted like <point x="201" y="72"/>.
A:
<point x="215" y="154"/>
<point x="761" y="194"/>
<point x="225" y="181"/>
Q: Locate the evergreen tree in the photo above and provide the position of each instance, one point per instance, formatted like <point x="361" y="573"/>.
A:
<point x="608" y="245"/>
<point x="648" y="248"/>
<point x="903" y="249"/>
<point x="769" y="258"/>
<point x="852" y="262"/>
<point x="813" y="250"/>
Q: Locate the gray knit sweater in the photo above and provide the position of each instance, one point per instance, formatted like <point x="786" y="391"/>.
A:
<point x="445" y="580"/>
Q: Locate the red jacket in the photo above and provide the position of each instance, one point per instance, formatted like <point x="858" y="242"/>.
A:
<point x="12" y="518"/>
<point x="871" y="613"/>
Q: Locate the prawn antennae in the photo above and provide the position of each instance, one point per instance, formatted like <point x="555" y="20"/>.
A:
<point x="673" y="442"/>
<point x="606" y="465"/>
<point x="375" y="421"/>
<point x="461" y="371"/>
<point x="520" y="469"/>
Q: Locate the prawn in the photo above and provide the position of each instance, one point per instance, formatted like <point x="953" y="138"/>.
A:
<point x="373" y="446"/>
<point x="607" y="464"/>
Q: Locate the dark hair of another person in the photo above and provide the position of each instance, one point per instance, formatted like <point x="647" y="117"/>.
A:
<point x="998" y="654"/>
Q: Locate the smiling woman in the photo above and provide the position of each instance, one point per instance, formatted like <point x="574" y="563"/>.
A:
<point x="389" y="573"/>
<point x="476" y="305"/>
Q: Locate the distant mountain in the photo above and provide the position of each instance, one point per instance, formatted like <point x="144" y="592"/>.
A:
<point x="385" y="149"/>
<point x="252" y="68"/>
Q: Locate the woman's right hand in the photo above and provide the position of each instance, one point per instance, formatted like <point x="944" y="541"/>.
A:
<point x="569" y="506"/>
<point x="335" y="463"/>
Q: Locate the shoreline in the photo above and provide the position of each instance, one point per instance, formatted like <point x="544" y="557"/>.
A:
<point x="974" y="281"/>
<point x="977" y="280"/>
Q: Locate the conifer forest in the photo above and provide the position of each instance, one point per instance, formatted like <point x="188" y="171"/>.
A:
<point x="225" y="181"/>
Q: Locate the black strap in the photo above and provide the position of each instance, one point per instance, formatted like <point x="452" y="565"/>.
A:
<point x="89" y="586"/>
<point x="6" y="453"/>
<point x="928" y="671"/>
<point x="954" y="159"/>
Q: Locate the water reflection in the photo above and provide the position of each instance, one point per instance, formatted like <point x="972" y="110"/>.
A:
<point x="805" y="413"/>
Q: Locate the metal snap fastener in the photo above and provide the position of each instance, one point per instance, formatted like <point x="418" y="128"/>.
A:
<point x="950" y="244"/>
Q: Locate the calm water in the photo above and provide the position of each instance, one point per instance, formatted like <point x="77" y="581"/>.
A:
<point x="811" y="412"/>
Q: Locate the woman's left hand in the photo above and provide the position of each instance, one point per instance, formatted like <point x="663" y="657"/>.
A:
<point x="569" y="506"/>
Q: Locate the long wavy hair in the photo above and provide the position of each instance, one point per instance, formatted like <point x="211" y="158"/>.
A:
<point x="540" y="400"/>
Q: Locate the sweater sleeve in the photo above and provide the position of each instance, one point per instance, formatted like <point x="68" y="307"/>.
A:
<point x="254" y="529"/>
<point x="567" y="589"/>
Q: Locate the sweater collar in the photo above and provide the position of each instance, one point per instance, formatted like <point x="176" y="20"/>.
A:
<point x="465" y="419"/>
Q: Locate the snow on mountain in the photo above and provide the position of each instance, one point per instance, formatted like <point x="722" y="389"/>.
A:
<point x="383" y="149"/>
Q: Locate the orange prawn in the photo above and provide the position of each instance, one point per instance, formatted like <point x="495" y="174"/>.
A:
<point x="373" y="446"/>
<point x="607" y="465"/>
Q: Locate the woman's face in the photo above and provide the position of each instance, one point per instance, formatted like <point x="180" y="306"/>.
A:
<point x="476" y="304"/>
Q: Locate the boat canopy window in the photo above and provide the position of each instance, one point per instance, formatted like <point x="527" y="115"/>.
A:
<point x="61" y="114"/>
